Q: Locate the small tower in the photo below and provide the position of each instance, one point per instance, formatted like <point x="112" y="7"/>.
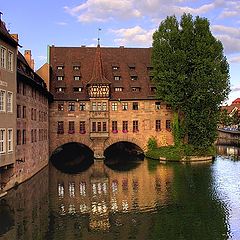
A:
<point x="99" y="94"/>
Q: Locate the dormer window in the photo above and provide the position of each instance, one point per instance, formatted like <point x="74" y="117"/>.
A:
<point x="75" y="68"/>
<point x="76" y="78"/>
<point x="136" y="89"/>
<point x="59" y="67"/>
<point x="60" y="89"/>
<point x="117" y="78"/>
<point x="131" y="66"/>
<point x="115" y="68"/>
<point x="134" y="78"/>
<point x="149" y="68"/>
<point x="59" y="78"/>
<point x="118" y="89"/>
<point x="77" y="89"/>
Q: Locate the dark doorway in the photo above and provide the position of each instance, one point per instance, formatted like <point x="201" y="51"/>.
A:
<point x="72" y="158"/>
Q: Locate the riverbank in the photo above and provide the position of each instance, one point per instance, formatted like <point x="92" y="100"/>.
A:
<point x="184" y="153"/>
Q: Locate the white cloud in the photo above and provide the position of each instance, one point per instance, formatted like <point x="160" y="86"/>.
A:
<point x="231" y="44"/>
<point x="61" y="23"/>
<point x="103" y="10"/>
<point x="235" y="59"/>
<point x="234" y="32"/>
<point x="134" y="36"/>
<point x="235" y="88"/>
<point x="42" y="58"/>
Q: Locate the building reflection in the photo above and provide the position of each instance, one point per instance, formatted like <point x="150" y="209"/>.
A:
<point x="231" y="151"/>
<point x="101" y="192"/>
<point x="24" y="210"/>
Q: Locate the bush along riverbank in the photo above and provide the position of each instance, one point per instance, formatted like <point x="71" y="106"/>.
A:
<point x="181" y="153"/>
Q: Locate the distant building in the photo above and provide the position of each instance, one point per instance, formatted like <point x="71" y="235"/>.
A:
<point x="8" y="57"/>
<point x="103" y="96"/>
<point x="233" y="108"/>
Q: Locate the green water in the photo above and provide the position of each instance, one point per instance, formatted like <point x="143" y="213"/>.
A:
<point x="146" y="200"/>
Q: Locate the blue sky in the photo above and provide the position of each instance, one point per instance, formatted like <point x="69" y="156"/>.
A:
<point x="123" y="22"/>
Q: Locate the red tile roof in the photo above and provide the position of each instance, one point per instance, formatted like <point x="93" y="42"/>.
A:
<point x="98" y="64"/>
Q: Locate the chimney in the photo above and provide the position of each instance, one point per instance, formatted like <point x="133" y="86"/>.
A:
<point x="28" y="57"/>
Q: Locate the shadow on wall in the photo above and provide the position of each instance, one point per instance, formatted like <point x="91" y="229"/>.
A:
<point x="72" y="158"/>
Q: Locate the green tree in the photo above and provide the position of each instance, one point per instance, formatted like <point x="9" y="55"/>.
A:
<point x="191" y="74"/>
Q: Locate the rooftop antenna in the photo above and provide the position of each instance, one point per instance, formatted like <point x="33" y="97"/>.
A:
<point x="99" y="29"/>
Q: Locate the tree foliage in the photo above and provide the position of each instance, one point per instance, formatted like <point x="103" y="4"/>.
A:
<point x="191" y="74"/>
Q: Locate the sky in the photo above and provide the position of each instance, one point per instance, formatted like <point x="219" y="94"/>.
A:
<point x="128" y="23"/>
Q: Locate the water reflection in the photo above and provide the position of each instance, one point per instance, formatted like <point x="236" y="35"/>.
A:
<point x="150" y="201"/>
<point x="229" y="151"/>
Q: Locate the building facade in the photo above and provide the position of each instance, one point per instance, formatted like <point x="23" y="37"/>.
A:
<point x="8" y="56"/>
<point x="103" y="96"/>
<point x="32" y="143"/>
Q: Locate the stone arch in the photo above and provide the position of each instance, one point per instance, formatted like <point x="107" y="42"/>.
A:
<point x="60" y="142"/>
<point x="136" y="141"/>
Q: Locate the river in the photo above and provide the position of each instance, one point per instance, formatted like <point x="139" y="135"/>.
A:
<point x="145" y="200"/>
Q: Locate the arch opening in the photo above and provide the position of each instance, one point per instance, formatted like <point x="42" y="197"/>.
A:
<point x="123" y="156"/>
<point x="72" y="157"/>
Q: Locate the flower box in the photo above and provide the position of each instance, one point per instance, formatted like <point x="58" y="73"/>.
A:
<point x="71" y="131"/>
<point x="125" y="131"/>
<point x="114" y="131"/>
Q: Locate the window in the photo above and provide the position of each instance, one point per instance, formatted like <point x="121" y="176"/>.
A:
<point x="134" y="78"/>
<point x="32" y="137"/>
<point x="9" y="102"/>
<point x="132" y="67"/>
<point x="24" y="112"/>
<point x="71" y="127"/>
<point x="94" y="127"/>
<point x="2" y="100"/>
<point x="99" y="126"/>
<point x="153" y="89"/>
<point x="168" y="106"/>
<point x="76" y="78"/>
<point x="168" y="125"/>
<point x="104" y="126"/>
<point x="104" y="106"/>
<point x="114" y="106"/>
<point x="60" y="127"/>
<point x="24" y="136"/>
<point x="10" y="61"/>
<point x="99" y="106"/>
<point x="18" y="111"/>
<point x="94" y="106"/>
<point x="77" y="89"/>
<point x="59" y="67"/>
<point x="125" y="127"/>
<point x="2" y="140"/>
<point x="60" y="89"/>
<point x="125" y="106"/>
<point x="135" y="126"/>
<point x="10" y="140"/>
<point x="19" y="137"/>
<point x="151" y="78"/>
<point x="3" y="57"/>
<point x="71" y="106"/>
<point x="114" y="127"/>
<point x="82" y="106"/>
<point x="136" y="89"/>
<point x="75" y="68"/>
<point x="157" y="105"/>
<point x="18" y="87"/>
<point x="35" y="135"/>
<point x="135" y="106"/>
<point x="59" y="78"/>
<point x="115" y="67"/>
<point x="82" y="127"/>
<point x="117" y="78"/>
<point x="118" y="89"/>
<point x="60" y="107"/>
<point x="158" y="125"/>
